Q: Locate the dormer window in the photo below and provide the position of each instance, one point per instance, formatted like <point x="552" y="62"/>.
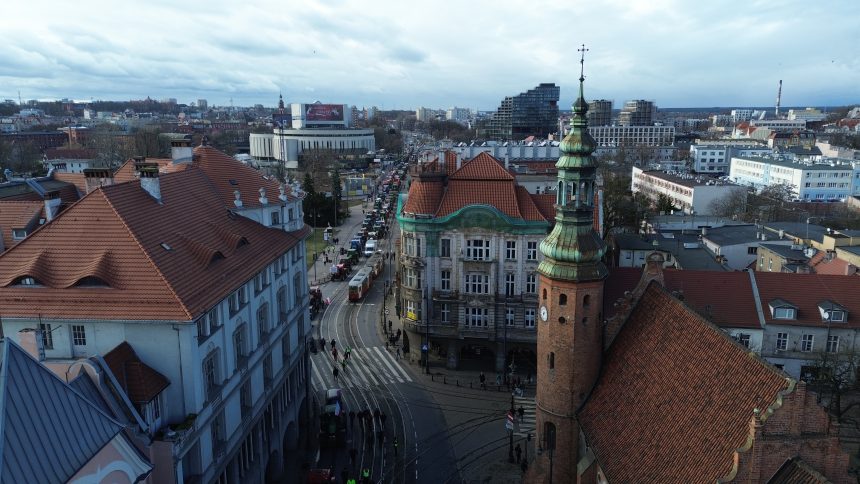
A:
<point x="781" y="309"/>
<point x="19" y="234"/>
<point x="26" y="281"/>
<point x="832" y="312"/>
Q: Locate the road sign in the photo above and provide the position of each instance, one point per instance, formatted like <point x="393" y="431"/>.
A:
<point x="509" y="422"/>
<point x="423" y="347"/>
<point x="387" y="311"/>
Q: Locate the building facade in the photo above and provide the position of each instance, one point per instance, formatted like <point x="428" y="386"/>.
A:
<point x="638" y="113"/>
<point x="715" y="159"/>
<point x="530" y="113"/>
<point x="624" y="136"/>
<point x="686" y="192"/>
<point x="599" y="112"/>
<point x="829" y="181"/>
<point x="468" y="259"/>
<point x="214" y="300"/>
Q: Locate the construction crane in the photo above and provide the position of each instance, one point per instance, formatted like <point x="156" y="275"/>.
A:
<point x="778" y="99"/>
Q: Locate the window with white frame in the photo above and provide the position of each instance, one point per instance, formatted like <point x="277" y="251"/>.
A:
<point x="509" y="316"/>
<point x="477" y="317"/>
<point x="413" y="246"/>
<point x="832" y="344"/>
<point x="510" y="249"/>
<point x="413" y="310"/>
<point x="238" y="299"/>
<point x="79" y="335"/>
<point x="783" y="313"/>
<point x="510" y="284"/>
<point x="477" y="249"/>
<point x="530" y="318"/>
<point x="743" y="338"/>
<point x="211" y="376"/>
<point x="477" y="283"/>
<point x="412" y="278"/>
<point x="781" y="341"/>
<point x="445" y="248"/>
<point x="276" y="218"/>
<point x="445" y="313"/>
<point x="531" y="250"/>
<point x="807" y="342"/>
<point x="446" y="280"/>
<point x="531" y="283"/>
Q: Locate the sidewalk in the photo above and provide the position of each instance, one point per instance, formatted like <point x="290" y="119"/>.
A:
<point x="343" y="233"/>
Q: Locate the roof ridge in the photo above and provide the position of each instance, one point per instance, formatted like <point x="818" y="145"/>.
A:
<point x="146" y="254"/>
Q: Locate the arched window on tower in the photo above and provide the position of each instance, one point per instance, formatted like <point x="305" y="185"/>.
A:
<point x="586" y="301"/>
<point x="562" y="299"/>
<point x="559" y="196"/>
<point x="548" y="436"/>
<point x="570" y="193"/>
<point x="544" y="294"/>
<point x="551" y="360"/>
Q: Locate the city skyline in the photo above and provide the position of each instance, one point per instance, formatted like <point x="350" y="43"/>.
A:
<point x="398" y="56"/>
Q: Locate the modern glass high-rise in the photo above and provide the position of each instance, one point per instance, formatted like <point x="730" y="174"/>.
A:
<point x="531" y="113"/>
<point x="599" y="112"/>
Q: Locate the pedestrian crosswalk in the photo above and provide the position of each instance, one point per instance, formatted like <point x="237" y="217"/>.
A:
<point x="366" y="367"/>
<point x="526" y="425"/>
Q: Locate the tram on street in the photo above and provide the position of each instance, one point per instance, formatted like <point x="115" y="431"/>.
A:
<point x="360" y="284"/>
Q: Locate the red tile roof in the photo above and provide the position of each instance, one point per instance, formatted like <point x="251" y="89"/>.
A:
<point x="76" y="179"/>
<point x="546" y="205"/>
<point x="228" y="175"/>
<point x="795" y="471"/>
<point x="16" y="215"/>
<point x="126" y="171"/>
<point x="677" y="390"/>
<point x="140" y="248"/>
<point x="424" y="196"/>
<point x="496" y="193"/>
<point x="141" y="382"/>
<point x="807" y="290"/>
<point x="482" y="167"/>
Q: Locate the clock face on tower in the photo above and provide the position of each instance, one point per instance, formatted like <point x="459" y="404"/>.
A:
<point x="543" y="313"/>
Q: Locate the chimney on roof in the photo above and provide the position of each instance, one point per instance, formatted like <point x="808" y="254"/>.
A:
<point x="52" y="205"/>
<point x="31" y="341"/>
<point x="263" y="200"/>
<point x="507" y="160"/>
<point x="97" y="177"/>
<point x="850" y="270"/>
<point x="181" y="151"/>
<point x="282" y="193"/>
<point x="238" y="198"/>
<point x="149" y="180"/>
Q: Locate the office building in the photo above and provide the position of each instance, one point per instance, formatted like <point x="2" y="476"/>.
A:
<point x="599" y="112"/>
<point x="531" y="113"/>
<point x="688" y="193"/>
<point x="832" y="180"/>
<point x="638" y="113"/>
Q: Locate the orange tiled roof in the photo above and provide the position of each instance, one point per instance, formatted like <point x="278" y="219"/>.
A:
<point x="228" y="175"/>
<point x="686" y="419"/>
<point x="76" y="179"/>
<point x="734" y="308"/>
<point x="139" y="247"/>
<point x="546" y="204"/>
<point x="450" y="162"/>
<point x="16" y="215"/>
<point x="497" y="193"/>
<point x="126" y="171"/>
<point x="140" y="381"/>
<point x="424" y="196"/>
<point x="528" y="207"/>
<point x="482" y="167"/>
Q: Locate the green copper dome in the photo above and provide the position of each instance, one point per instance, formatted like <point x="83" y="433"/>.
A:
<point x="573" y="250"/>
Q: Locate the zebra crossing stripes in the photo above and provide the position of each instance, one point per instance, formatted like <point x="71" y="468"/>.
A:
<point x="527" y="424"/>
<point x="367" y="367"/>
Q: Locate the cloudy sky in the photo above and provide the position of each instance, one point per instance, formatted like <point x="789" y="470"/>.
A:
<point x="398" y="54"/>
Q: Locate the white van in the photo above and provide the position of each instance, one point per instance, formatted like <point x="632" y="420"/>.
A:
<point x="370" y="247"/>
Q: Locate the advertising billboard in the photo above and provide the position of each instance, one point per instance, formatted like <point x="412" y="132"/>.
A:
<point x="323" y="112"/>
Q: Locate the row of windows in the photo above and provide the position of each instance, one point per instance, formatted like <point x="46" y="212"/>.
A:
<point x="480" y="317"/>
<point x="479" y="283"/>
<point x="479" y="249"/>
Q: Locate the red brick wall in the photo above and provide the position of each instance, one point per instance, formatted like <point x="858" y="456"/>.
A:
<point x="800" y="427"/>
<point x="578" y="351"/>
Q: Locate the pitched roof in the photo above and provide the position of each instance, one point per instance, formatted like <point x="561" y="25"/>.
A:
<point x="656" y="362"/>
<point x="49" y="430"/>
<point x="16" y="215"/>
<point x="165" y="165"/>
<point x="140" y="248"/>
<point x="424" y="196"/>
<point x="795" y="471"/>
<point x="482" y="167"/>
<point x="141" y="382"/>
<point x="79" y="180"/>
<point x="500" y="194"/>
<point x="228" y="176"/>
<point x="806" y="291"/>
<point x="546" y="205"/>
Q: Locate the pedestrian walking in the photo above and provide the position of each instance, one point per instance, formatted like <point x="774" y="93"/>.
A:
<point x="524" y="466"/>
<point x="395" y="446"/>
<point x="343" y="364"/>
<point x="335" y="372"/>
<point x="322" y="343"/>
<point x="519" y="451"/>
<point x="498" y="379"/>
<point x="483" y="380"/>
<point x="348" y="352"/>
<point x="521" y="411"/>
<point x="334" y="353"/>
<point x="333" y="343"/>
<point x="398" y="352"/>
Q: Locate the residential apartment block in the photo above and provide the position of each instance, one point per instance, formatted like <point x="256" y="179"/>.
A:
<point x="686" y="192"/>
<point x="715" y="159"/>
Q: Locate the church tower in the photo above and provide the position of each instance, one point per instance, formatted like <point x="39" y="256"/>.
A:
<point x="570" y="296"/>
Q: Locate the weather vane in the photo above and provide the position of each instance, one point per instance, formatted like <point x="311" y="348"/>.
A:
<point x="582" y="62"/>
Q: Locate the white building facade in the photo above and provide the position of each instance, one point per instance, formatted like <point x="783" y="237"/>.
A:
<point x="714" y="159"/>
<point x="687" y="193"/>
<point x="830" y="181"/>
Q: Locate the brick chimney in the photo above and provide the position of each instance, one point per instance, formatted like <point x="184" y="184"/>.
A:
<point x="52" y="205"/>
<point x="97" y="177"/>
<point x="181" y="151"/>
<point x="149" y="179"/>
